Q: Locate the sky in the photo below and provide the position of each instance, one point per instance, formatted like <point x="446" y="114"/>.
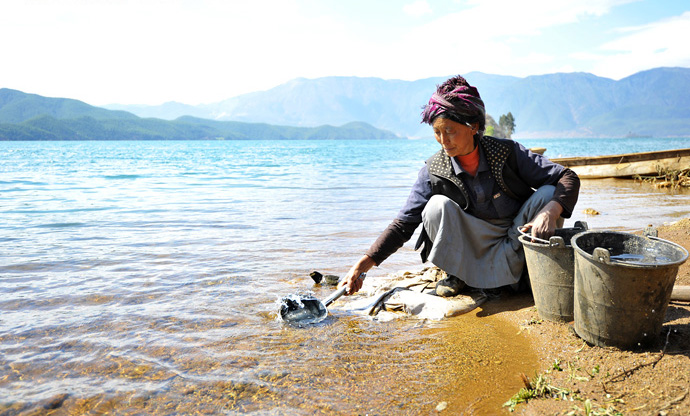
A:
<point x="204" y="51"/>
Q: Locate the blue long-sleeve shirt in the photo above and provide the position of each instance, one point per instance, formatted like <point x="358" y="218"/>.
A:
<point x="486" y="200"/>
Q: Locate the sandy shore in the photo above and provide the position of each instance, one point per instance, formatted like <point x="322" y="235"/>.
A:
<point x="608" y="381"/>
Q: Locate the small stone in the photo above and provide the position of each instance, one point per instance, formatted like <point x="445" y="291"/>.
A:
<point x="330" y="279"/>
<point x="316" y="276"/>
<point x="441" y="406"/>
<point x="55" y="402"/>
<point x="650" y="231"/>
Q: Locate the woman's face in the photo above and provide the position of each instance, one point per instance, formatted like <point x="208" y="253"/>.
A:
<point x="456" y="139"/>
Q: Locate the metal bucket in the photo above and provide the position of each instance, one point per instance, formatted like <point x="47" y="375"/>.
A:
<point x="623" y="285"/>
<point x="550" y="267"/>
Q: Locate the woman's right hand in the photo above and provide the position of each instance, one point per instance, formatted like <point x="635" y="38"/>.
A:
<point x="352" y="280"/>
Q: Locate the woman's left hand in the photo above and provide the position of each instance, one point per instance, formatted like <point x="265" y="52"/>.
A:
<point x="544" y="223"/>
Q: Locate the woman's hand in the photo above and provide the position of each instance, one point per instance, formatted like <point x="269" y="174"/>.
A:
<point x="352" y="280"/>
<point x="544" y="223"/>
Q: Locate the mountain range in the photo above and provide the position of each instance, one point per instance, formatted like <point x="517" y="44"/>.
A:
<point x="33" y="117"/>
<point x="655" y="103"/>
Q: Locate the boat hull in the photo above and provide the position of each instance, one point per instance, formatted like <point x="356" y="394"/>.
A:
<point x="627" y="165"/>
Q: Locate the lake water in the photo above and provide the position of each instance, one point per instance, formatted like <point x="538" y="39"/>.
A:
<point x="142" y="277"/>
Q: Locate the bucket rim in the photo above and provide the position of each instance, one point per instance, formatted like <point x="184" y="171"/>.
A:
<point x="528" y="240"/>
<point x="588" y="256"/>
<point x="525" y="241"/>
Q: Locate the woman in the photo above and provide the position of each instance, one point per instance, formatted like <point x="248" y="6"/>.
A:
<point x="470" y="198"/>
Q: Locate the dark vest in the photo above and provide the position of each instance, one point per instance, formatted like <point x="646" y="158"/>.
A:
<point x="502" y="163"/>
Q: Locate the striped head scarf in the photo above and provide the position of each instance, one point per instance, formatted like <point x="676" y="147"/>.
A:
<point x="459" y="101"/>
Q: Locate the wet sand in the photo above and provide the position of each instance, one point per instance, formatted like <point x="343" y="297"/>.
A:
<point x="348" y="365"/>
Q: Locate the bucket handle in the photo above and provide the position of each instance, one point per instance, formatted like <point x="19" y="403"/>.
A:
<point x="555" y="241"/>
<point x="601" y="254"/>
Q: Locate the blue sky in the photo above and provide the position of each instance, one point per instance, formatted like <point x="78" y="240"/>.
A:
<point x="202" y="51"/>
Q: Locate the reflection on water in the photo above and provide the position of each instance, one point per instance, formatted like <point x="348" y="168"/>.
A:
<point x="642" y="259"/>
<point x="142" y="277"/>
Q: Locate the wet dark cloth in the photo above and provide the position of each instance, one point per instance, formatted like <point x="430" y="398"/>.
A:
<point x="485" y="197"/>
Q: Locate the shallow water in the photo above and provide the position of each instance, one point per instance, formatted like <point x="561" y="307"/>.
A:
<point x="627" y="205"/>
<point x="144" y="276"/>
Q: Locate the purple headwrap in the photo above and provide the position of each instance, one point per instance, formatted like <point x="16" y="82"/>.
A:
<point x="459" y="100"/>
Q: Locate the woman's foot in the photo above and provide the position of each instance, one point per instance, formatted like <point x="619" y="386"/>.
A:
<point x="450" y="286"/>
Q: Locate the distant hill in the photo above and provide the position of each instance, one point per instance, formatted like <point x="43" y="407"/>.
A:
<point x="33" y="117"/>
<point x="650" y="103"/>
<point x="304" y="102"/>
<point x="166" y="111"/>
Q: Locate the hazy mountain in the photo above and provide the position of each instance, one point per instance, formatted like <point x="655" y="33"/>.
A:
<point x="167" y="111"/>
<point x="17" y="106"/>
<point x="33" y="117"/>
<point x="304" y="102"/>
<point x="654" y="102"/>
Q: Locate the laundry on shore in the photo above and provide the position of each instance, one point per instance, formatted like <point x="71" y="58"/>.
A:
<point x="410" y="294"/>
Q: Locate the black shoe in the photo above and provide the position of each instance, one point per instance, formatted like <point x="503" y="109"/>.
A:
<point x="494" y="293"/>
<point x="450" y="286"/>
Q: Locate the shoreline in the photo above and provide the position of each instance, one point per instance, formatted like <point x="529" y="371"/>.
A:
<point x="610" y="381"/>
<point x="628" y="205"/>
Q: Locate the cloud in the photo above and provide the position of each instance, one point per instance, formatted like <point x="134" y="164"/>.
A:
<point x="150" y="51"/>
<point x="495" y="36"/>
<point x="418" y="8"/>
<point x="499" y="18"/>
<point x="177" y="50"/>
<point x="661" y="43"/>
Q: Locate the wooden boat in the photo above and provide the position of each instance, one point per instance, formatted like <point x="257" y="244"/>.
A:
<point x="627" y="165"/>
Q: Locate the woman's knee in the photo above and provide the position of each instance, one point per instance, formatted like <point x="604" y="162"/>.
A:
<point x="545" y="192"/>
<point x="436" y="207"/>
<point x="542" y="195"/>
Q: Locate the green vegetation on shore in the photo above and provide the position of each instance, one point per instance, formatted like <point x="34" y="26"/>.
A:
<point x="503" y="129"/>
<point x="668" y="178"/>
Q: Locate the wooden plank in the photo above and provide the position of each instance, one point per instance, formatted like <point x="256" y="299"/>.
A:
<point x="681" y="293"/>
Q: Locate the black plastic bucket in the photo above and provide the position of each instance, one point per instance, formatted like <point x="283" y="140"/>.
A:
<point x="623" y="285"/>
<point x="550" y="266"/>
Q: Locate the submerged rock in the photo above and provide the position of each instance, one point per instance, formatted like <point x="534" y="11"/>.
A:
<point x="328" y="279"/>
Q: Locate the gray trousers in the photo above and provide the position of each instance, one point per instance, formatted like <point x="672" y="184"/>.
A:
<point x="484" y="254"/>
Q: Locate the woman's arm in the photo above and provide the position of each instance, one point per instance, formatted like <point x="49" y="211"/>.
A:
<point x="395" y="235"/>
<point x="352" y="280"/>
<point x="544" y="223"/>
<point x="567" y="192"/>
<point x="542" y="171"/>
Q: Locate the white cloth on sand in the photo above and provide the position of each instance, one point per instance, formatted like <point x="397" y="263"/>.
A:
<point x="409" y="294"/>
